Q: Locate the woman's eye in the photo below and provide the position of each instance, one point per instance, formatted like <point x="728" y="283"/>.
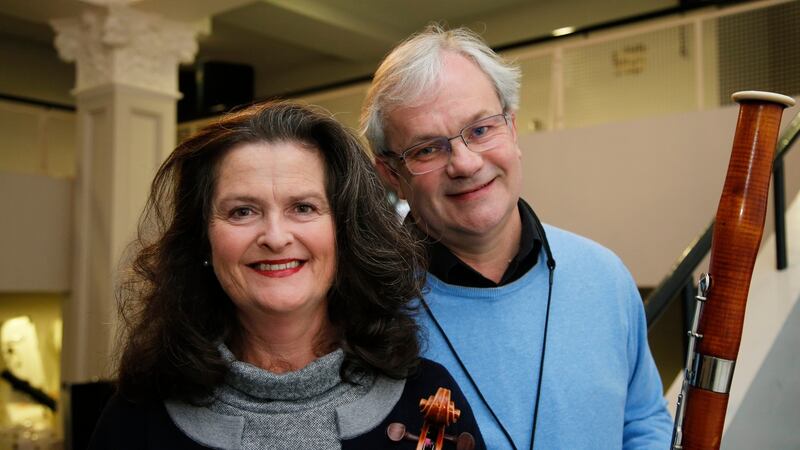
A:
<point x="242" y="212"/>
<point x="304" y="208"/>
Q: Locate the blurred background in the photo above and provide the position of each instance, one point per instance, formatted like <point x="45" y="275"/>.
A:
<point x="625" y="123"/>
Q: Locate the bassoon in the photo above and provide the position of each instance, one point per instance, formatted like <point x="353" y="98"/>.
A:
<point x="722" y="293"/>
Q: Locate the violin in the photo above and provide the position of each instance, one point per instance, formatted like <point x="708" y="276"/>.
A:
<point x="439" y="412"/>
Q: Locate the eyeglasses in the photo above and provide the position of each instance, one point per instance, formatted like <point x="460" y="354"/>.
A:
<point x="481" y="136"/>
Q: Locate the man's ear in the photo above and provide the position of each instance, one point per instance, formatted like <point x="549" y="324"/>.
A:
<point x="389" y="175"/>
<point x="513" y="126"/>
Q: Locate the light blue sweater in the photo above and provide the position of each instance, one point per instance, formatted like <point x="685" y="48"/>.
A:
<point x="600" y="387"/>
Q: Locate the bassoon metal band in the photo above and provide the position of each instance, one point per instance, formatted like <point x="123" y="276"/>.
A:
<point x="712" y="373"/>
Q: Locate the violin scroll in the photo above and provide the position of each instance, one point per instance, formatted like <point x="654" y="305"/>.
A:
<point x="439" y="412"/>
<point x="439" y="409"/>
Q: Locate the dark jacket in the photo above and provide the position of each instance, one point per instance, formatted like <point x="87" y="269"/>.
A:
<point x="125" y="425"/>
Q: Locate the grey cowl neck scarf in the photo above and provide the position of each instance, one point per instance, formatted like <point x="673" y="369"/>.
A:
<point x="313" y="380"/>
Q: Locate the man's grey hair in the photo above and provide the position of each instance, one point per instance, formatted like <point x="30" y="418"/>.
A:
<point x="413" y="70"/>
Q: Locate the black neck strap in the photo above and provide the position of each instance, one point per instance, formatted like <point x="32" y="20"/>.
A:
<point x="551" y="267"/>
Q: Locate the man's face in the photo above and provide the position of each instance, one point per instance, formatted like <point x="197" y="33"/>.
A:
<point x="475" y="195"/>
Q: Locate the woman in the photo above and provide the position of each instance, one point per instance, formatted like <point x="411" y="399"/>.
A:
<point x="268" y="305"/>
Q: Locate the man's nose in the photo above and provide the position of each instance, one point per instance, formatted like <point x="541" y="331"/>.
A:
<point x="463" y="161"/>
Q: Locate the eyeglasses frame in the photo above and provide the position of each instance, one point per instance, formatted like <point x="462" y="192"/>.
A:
<point x="402" y="155"/>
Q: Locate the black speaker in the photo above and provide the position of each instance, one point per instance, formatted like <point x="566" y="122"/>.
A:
<point x="214" y="87"/>
<point x="187" y="105"/>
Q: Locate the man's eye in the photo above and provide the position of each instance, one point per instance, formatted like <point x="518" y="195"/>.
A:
<point x="425" y="152"/>
<point x="480" y="131"/>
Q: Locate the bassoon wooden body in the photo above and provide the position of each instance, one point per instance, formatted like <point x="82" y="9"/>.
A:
<point x="722" y="293"/>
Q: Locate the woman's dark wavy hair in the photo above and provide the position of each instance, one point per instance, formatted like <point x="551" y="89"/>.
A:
<point x="174" y="310"/>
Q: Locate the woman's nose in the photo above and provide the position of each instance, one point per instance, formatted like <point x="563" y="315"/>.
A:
<point x="275" y="234"/>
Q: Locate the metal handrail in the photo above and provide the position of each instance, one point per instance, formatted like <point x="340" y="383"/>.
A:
<point x="785" y="143"/>
<point x="680" y="280"/>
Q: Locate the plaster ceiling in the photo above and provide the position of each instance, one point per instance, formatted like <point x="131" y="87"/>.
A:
<point x="300" y="44"/>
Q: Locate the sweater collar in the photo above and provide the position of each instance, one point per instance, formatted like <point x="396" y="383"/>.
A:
<point x="218" y="430"/>
<point x="314" y="379"/>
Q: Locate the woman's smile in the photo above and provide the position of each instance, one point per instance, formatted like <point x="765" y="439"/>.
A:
<point x="278" y="268"/>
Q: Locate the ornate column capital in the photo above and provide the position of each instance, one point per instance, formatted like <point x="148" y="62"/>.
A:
<point x="117" y="44"/>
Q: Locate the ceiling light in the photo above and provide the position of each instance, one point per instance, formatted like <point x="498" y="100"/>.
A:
<point x="563" y="30"/>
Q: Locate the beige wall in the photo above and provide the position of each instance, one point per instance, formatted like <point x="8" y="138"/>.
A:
<point x="37" y="166"/>
<point x="643" y="188"/>
<point x="37" y="140"/>
<point x="36" y="233"/>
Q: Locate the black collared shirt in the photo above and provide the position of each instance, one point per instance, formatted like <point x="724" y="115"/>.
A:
<point x="446" y="266"/>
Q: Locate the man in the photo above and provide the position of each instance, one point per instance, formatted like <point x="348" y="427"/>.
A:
<point x="543" y="330"/>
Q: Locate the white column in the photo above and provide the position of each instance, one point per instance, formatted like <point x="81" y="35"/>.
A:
<point x="127" y="88"/>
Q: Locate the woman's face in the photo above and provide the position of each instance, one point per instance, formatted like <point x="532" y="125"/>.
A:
<point x="272" y="235"/>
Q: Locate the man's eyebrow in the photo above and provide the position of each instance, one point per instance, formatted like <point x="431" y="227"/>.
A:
<point x="478" y="116"/>
<point x="423" y="138"/>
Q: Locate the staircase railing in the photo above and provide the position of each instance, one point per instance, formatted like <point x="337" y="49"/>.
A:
<point x="785" y="143"/>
